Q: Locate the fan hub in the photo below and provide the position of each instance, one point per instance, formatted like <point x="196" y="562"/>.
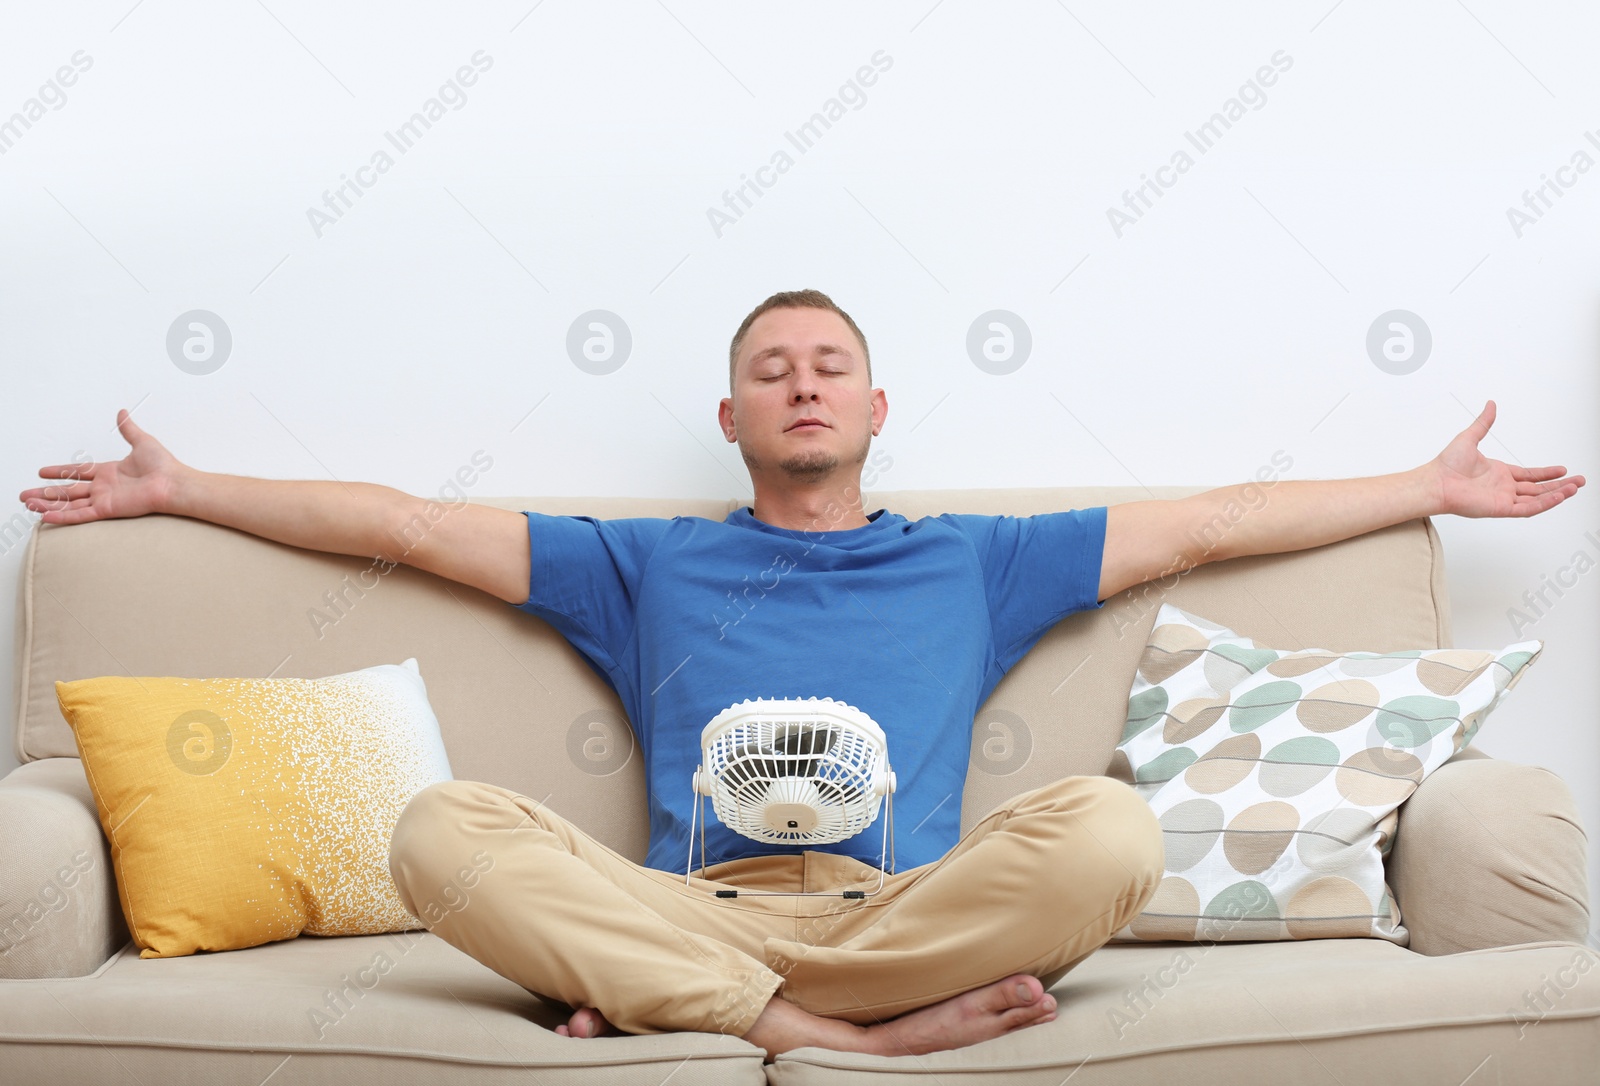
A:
<point x="790" y="817"/>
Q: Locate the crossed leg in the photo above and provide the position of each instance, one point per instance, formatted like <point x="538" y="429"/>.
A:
<point x="953" y="952"/>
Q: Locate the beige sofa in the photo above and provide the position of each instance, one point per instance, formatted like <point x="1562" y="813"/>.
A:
<point x="1497" y="984"/>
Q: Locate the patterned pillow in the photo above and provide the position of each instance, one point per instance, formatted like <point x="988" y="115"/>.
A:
<point x="1277" y="775"/>
<point x="243" y="811"/>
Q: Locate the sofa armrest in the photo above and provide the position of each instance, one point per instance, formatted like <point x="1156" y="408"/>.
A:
<point x="1490" y="853"/>
<point x="59" y="913"/>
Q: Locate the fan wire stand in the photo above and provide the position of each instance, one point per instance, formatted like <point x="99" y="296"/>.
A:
<point x="696" y="814"/>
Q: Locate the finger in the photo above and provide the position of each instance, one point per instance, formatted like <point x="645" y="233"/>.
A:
<point x="1551" y="499"/>
<point x="56" y="495"/>
<point x="1538" y="503"/>
<point x="1538" y="473"/>
<point x="64" y="493"/>
<point x="1550" y="478"/>
<point x="39" y="503"/>
<point x="128" y="428"/>
<point x="36" y="494"/>
<point x="1481" y="424"/>
<point x="45" y="505"/>
<point x="70" y="515"/>
<point x="1540" y="490"/>
<point x="68" y="471"/>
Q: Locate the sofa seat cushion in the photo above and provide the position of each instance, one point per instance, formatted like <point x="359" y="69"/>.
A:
<point x="1352" y="1010"/>
<point x="1364" y="1010"/>
<point x="334" y="1009"/>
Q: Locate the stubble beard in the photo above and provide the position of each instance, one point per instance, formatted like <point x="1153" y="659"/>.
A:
<point x="808" y="465"/>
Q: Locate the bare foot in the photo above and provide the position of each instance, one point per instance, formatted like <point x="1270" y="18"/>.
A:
<point x="1006" y="1005"/>
<point x="588" y="1022"/>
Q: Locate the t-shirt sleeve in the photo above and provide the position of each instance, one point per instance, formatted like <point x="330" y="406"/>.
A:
<point x="1036" y="571"/>
<point x="584" y="578"/>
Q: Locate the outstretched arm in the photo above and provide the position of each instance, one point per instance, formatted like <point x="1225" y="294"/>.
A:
<point x="1150" y="539"/>
<point x="477" y="545"/>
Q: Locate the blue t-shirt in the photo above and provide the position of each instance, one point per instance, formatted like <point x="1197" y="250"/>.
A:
<point x="913" y="623"/>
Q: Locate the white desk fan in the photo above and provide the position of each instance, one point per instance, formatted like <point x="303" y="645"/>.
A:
<point x="793" y="771"/>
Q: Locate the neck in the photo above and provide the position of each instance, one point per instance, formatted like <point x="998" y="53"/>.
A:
<point x="821" y="508"/>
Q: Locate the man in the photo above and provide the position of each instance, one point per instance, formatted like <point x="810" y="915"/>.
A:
<point x="801" y="594"/>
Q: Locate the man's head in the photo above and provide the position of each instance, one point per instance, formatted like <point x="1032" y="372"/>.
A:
<point x="798" y="356"/>
<point x="794" y="299"/>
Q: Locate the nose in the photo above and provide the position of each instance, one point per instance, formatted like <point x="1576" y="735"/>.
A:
<point x="804" y="386"/>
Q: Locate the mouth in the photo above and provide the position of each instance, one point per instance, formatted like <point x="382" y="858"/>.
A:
<point x="807" y="424"/>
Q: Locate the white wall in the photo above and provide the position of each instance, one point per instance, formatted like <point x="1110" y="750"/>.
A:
<point x="974" y="173"/>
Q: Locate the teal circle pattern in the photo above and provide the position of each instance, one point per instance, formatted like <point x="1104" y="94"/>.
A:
<point x="1267" y="702"/>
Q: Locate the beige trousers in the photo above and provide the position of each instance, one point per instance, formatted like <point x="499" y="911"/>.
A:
<point x="1035" y="887"/>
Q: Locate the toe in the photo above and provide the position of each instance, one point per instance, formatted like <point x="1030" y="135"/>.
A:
<point x="1021" y="990"/>
<point x="1025" y="1002"/>
<point x="589" y="1022"/>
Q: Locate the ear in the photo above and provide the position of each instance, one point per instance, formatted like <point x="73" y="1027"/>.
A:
<point x="725" y="419"/>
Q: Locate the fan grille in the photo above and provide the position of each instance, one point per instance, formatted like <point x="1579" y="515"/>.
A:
<point x="787" y="771"/>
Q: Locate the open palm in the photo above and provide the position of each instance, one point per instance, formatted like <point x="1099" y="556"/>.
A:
<point x="131" y="487"/>
<point x="1472" y="485"/>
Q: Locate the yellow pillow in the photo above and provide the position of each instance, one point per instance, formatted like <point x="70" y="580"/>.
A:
<point x="244" y="811"/>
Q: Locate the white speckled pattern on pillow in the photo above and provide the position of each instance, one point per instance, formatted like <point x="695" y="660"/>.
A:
<point x="1277" y="775"/>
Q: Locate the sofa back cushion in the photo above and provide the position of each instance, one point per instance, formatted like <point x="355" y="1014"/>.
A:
<point x="518" y="707"/>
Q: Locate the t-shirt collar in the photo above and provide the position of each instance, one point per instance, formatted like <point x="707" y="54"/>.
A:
<point x="744" y="517"/>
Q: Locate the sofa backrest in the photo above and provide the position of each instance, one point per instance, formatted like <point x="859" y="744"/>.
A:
<point x="166" y="595"/>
